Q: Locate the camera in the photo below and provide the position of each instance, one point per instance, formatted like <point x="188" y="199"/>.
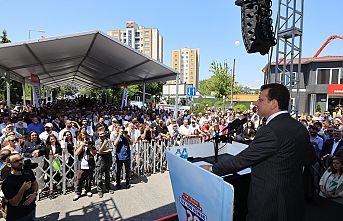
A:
<point x="124" y="131"/>
<point x="28" y="166"/>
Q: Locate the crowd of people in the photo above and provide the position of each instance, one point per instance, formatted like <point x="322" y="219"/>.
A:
<point x="101" y="134"/>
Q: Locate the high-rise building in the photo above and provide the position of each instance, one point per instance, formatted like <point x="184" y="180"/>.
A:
<point x="148" y="41"/>
<point x="186" y="62"/>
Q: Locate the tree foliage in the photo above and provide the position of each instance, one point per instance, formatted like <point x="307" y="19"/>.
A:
<point x="4" y="38"/>
<point x="219" y="84"/>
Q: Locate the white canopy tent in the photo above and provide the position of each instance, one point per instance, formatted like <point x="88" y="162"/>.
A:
<point x="89" y="60"/>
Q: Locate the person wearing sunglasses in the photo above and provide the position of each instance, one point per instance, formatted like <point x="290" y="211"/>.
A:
<point x="13" y="145"/>
<point x="20" y="190"/>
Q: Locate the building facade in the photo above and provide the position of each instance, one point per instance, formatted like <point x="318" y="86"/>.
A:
<point x="321" y="83"/>
<point x="148" y="41"/>
<point x="186" y="62"/>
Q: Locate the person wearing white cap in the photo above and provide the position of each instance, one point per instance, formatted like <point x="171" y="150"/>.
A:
<point x="48" y="130"/>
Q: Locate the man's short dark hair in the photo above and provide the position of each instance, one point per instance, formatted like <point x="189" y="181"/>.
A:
<point x="278" y="92"/>
<point x="4" y="154"/>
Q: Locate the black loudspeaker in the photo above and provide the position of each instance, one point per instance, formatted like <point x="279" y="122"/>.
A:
<point x="256" y="24"/>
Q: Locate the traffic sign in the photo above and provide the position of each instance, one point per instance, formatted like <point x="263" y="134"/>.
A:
<point x="191" y="91"/>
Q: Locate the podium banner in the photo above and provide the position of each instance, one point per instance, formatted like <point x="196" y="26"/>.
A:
<point x="199" y="195"/>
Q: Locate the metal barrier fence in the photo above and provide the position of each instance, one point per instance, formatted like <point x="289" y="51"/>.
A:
<point x="56" y="175"/>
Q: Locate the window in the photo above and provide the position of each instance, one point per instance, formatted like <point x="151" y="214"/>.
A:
<point x="323" y="76"/>
<point x="146" y="45"/>
<point x="147" y="39"/>
<point x="137" y="34"/>
<point x="334" y="76"/>
<point x="146" y="51"/>
<point x="329" y="76"/>
<point x="146" y="33"/>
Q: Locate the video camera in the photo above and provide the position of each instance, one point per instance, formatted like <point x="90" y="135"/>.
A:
<point x="28" y="166"/>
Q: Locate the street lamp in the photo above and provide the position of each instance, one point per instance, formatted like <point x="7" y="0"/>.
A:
<point x="41" y="31"/>
<point x="233" y="81"/>
<point x="233" y="75"/>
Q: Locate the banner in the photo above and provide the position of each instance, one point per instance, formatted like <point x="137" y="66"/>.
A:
<point x="124" y="100"/>
<point x="35" y="90"/>
<point x="199" y="195"/>
<point x="335" y="89"/>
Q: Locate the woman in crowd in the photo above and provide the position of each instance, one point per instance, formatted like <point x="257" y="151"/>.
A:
<point x="331" y="183"/>
<point x="249" y="131"/>
<point x="68" y="144"/>
<point x="31" y="144"/>
<point x="20" y="128"/>
<point x="222" y="125"/>
<point x="52" y="148"/>
<point x="85" y="166"/>
<point x="13" y="145"/>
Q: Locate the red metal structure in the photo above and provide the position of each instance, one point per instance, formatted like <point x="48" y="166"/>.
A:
<point x="326" y="43"/>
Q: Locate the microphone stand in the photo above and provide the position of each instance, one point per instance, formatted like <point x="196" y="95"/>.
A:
<point x="216" y="138"/>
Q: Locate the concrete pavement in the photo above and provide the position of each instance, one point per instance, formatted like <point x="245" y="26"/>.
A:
<point x="148" y="198"/>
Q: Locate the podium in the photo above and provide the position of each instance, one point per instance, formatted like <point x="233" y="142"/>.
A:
<point x="202" y="195"/>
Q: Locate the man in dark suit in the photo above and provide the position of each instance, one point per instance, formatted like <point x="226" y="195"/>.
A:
<point x="276" y="156"/>
<point x="331" y="146"/>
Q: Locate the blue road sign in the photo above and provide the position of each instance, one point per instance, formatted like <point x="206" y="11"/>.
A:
<point x="191" y="91"/>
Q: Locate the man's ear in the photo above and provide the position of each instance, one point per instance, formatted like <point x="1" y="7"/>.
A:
<point x="8" y="162"/>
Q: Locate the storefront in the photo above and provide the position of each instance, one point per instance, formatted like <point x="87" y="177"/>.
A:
<point x="335" y="96"/>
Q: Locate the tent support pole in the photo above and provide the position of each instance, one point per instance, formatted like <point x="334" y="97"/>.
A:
<point x="177" y="97"/>
<point x="143" y="101"/>
<point x="24" y="92"/>
<point x="8" y="90"/>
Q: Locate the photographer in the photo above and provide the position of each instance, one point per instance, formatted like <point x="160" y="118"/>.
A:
<point x="123" y="156"/>
<point x="85" y="153"/>
<point x="104" y="147"/>
<point x="20" y="189"/>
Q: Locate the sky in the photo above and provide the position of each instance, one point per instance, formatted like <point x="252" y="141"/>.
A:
<point x="213" y="26"/>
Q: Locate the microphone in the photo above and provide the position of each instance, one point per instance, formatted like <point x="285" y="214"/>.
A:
<point x="235" y="124"/>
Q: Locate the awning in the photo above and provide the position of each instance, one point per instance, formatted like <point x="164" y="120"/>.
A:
<point x="89" y="60"/>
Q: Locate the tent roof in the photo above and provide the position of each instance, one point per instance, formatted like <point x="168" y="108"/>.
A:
<point x="89" y="60"/>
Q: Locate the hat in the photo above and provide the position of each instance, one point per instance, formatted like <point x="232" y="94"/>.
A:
<point x="48" y="125"/>
<point x="9" y="125"/>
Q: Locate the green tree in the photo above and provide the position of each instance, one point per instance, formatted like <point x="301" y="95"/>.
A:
<point x="4" y="38"/>
<point x="219" y="83"/>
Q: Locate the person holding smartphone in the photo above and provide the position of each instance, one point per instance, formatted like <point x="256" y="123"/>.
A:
<point x="123" y="156"/>
<point x="104" y="147"/>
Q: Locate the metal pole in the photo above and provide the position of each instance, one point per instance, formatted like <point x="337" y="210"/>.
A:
<point x="24" y="93"/>
<point x="177" y="96"/>
<point x="8" y="90"/>
<point x="143" y="101"/>
<point x="233" y="81"/>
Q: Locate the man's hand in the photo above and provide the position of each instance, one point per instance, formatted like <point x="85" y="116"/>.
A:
<point x="207" y="167"/>
<point x="26" y="186"/>
<point x="29" y="199"/>
<point x="35" y="153"/>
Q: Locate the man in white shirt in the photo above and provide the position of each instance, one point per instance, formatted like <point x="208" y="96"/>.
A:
<point x="67" y="128"/>
<point x="184" y="129"/>
<point x="194" y="127"/>
<point x="48" y="130"/>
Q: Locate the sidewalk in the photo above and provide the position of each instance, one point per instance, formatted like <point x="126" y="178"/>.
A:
<point x="148" y="198"/>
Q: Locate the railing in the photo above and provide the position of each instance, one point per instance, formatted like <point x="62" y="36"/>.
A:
<point x="56" y="175"/>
